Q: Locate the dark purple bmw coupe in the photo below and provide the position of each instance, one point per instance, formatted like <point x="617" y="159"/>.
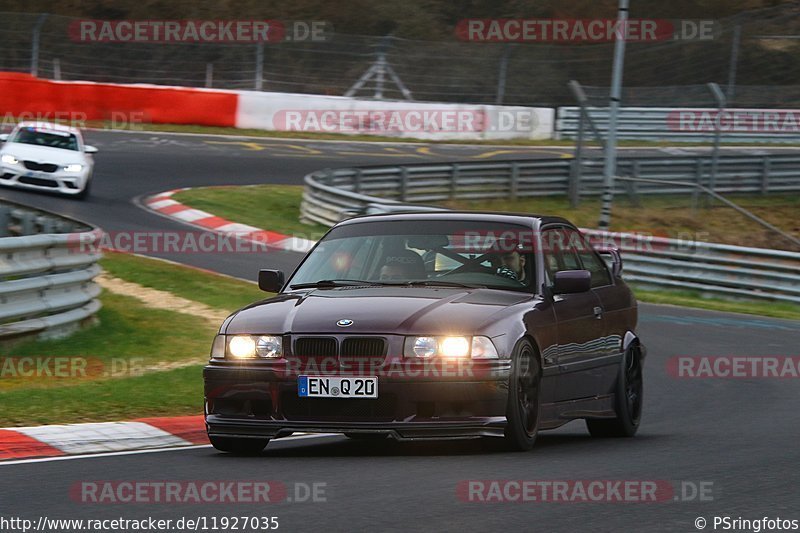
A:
<point x="432" y="326"/>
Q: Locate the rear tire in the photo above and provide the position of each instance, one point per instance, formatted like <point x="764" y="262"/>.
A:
<point x="629" y="396"/>
<point x="522" y="411"/>
<point x="238" y="446"/>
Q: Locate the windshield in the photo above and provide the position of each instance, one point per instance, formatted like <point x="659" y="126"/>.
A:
<point x="485" y="254"/>
<point x="51" y="139"/>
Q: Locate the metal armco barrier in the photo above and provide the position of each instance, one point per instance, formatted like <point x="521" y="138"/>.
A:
<point x="722" y="270"/>
<point x="47" y="264"/>
<point x="664" y="124"/>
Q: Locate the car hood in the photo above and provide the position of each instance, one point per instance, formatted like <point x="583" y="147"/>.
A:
<point x="43" y="154"/>
<point x="376" y="310"/>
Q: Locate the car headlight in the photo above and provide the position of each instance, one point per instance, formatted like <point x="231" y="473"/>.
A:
<point x="247" y="347"/>
<point x="9" y="159"/>
<point x="450" y="346"/>
<point x="75" y="167"/>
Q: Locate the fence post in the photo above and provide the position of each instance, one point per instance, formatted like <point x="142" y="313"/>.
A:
<point x="27" y="223"/>
<point x="765" y="175"/>
<point x="514" y="184"/>
<point x="37" y="33"/>
<point x="403" y="184"/>
<point x="357" y="181"/>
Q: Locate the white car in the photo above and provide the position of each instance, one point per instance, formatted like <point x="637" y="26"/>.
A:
<point x="44" y="156"/>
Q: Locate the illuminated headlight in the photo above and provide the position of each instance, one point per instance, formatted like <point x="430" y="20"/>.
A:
<point x="247" y="347"/>
<point x="9" y="159"/>
<point x="454" y="347"/>
<point x="242" y="347"/>
<point x="75" y="167"/>
<point x="426" y="347"/>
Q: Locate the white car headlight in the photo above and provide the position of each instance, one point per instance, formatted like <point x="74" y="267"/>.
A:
<point x="450" y="346"/>
<point x="454" y="347"/>
<point x="242" y="347"/>
<point x="75" y="167"/>
<point x="247" y="347"/>
<point x="9" y="159"/>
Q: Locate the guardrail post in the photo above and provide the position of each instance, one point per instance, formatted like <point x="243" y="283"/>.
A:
<point x="698" y="178"/>
<point x="357" y="181"/>
<point x="49" y="225"/>
<point x="514" y="184"/>
<point x="765" y="175"/>
<point x="5" y="220"/>
<point x="574" y="182"/>
<point x="633" y="187"/>
<point x="455" y="170"/>
<point x="403" y="184"/>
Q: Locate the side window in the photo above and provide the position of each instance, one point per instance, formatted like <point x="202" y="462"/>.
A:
<point x="559" y="253"/>
<point x="590" y="260"/>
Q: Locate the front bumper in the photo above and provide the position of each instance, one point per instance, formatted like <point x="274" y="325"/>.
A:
<point x="260" y="401"/>
<point x="60" y="182"/>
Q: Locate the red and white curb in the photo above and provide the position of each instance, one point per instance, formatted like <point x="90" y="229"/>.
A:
<point x="78" y="439"/>
<point x="163" y="204"/>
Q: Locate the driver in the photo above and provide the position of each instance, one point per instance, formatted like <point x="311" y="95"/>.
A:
<point x="511" y="264"/>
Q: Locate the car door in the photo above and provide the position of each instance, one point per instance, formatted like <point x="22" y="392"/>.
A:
<point x="579" y="329"/>
<point x="615" y="308"/>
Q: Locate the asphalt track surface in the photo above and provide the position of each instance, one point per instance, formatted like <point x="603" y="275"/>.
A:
<point x="737" y="436"/>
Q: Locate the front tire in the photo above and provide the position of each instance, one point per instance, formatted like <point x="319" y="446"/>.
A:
<point x="522" y="411"/>
<point x="238" y="446"/>
<point x="629" y="396"/>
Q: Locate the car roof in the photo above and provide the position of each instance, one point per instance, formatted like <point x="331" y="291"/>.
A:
<point x="49" y="126"/>
<point x="476" y="216"/>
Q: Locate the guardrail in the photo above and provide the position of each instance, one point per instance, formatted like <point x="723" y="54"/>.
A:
<point x="47" y="264"/>
<point x="664" y="124"/>
<point x="730" y="271"/>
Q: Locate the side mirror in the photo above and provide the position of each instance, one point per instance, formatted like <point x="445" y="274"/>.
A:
<point x="572" y="281"/>
<point x="270" y="280"/>
<point x="3" y="137"/>
<point x="90" y="149"/>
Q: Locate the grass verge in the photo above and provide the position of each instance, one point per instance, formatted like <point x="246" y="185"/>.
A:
<point x="139" y="361"/>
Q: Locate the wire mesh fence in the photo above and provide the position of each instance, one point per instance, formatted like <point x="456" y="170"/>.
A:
<point x="755" y="57"/>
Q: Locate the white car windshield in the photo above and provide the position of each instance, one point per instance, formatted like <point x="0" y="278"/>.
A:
<point x="50" y="139"/>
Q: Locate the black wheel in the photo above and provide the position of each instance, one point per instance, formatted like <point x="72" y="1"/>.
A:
<point x="238" y="446"/>
<point x="366" y="436"/>
<point x="629" y="396"/>
<point x="522" y="411"/>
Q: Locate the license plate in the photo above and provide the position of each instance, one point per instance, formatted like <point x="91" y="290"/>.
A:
<point x="34" y="175"/>
<point x="337" y="387"/>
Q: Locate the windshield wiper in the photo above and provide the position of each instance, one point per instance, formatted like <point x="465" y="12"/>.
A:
<point x="434" y="283"/>
<point x="325" y="283"/>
